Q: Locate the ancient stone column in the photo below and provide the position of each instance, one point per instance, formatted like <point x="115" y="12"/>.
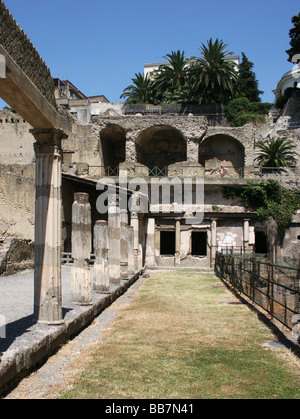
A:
<point x="47" y="271"/>
<point x="135" y="225"/>
<point x="150" y="243"/>
<point x="178" y="243"/>
<point x="101" y="276"/>
<point x="246" y="235"/>
<point x="213" y="241"/>
<point x="131" y="270"/>
<point x="81" y="250"/>
<point x="114" y="250"/>
<point x="124" y="243"/>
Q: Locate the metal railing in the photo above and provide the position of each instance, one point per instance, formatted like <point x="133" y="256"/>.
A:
<point x="158" y="172"/>
<point x="291" y="174"/>
<point x="273" y="286"/>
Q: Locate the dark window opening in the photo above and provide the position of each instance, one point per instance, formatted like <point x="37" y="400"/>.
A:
<point x="167" y="243"/>
<point x="261" y="245"/>
<point x="199" y="243"/>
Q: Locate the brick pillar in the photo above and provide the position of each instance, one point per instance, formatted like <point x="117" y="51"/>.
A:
<point x="101" y="277"/>
<point x="47" y="271"/>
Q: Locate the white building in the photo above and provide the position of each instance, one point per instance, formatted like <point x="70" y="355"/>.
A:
<point x="149" y="69"/>
<point x="289" y="79"/>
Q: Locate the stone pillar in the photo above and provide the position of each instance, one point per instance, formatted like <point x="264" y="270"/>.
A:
<point x="81" y="250"/>
<point x="213" y="241"/>
<point x="135" y="225"/>
<point x="47" y="271"/>
<point x="124" y="243"/>
<point x="101" y="276"/>
<point x="131" y="270"/>
<point x="246" y="235"/>
<point x="150" y="243"/>
<point x="178" y="243"/>
<point x="114" y="252"/>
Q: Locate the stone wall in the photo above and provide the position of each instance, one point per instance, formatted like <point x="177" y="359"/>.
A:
<point x="16" y="255"/>
<point x="17" y="201"/>
<point x="16" y="142"/>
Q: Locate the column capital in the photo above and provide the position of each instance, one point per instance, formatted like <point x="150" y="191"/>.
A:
<point x="49" y="135"/>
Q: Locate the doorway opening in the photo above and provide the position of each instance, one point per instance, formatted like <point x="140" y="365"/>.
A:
<point x="167" y="243"/>
<point x="261" y="245"/>
<point x="199" y="243"/>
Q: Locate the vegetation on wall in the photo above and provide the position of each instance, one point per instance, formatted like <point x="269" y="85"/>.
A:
<point x="210" y="78"/>
<point x="269" y="200"/>
<point x="241" y="111"/>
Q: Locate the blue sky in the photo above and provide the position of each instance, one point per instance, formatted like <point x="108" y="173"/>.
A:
<point x="100" y="44"/>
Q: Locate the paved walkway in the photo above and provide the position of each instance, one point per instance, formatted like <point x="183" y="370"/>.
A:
<point x="27" y="343"/>
<point x="55" y="373"/>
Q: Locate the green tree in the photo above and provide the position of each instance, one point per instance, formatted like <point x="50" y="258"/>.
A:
<point x="141" y="91"/>
<point x="276" y="152"/>
<point x="270" y="201"/>
<point x="247" y="82"/>
<point x="214" y="74"/>
<point x="170" y="81"/>
<point x="241" y="111"/>
<point x="295" y="38"/>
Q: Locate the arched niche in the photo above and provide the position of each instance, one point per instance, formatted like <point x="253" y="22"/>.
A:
<point x="113" y="144"/>
<point x="222" y="150"/>
<point x="160" y="146"/>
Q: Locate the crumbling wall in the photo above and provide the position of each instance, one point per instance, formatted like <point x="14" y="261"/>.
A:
<point x="16" y="255"/>
<point x="17" y="201"/>
<point x="16" y="142"/>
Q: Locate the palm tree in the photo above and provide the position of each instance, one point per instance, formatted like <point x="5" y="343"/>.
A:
<point x="172" y="77"/>
<point x="141" y="91"/>
<point x="276" y="152"/>
<point x="215" y="77"/>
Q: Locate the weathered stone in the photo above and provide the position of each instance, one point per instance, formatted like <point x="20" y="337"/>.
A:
<point x="81" y="250"/>
<point x="101" y="275"/>
<point x="114" y="251"/>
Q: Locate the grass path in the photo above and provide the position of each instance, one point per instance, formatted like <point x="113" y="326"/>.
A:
<point x="180" y="339"/>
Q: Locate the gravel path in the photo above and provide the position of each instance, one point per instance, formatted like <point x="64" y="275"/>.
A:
<point x="52" y="378"/>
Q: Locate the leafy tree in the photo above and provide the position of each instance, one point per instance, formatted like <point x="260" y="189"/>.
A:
<point x="241" y="111"/>
<point x="295" y="38"/>
<point x="276" y="152"/>
<point x="270" y="201"/>
<point x="247" y="82"/>
<point x="173" y="75"/>
<point x="215" y="77"/>
<point x="141" y="91"/>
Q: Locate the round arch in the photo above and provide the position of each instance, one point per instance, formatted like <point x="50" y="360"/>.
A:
<point x="160" y="146"/>
<point x="223" y="149"/>
<point x="113" y="145"/>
